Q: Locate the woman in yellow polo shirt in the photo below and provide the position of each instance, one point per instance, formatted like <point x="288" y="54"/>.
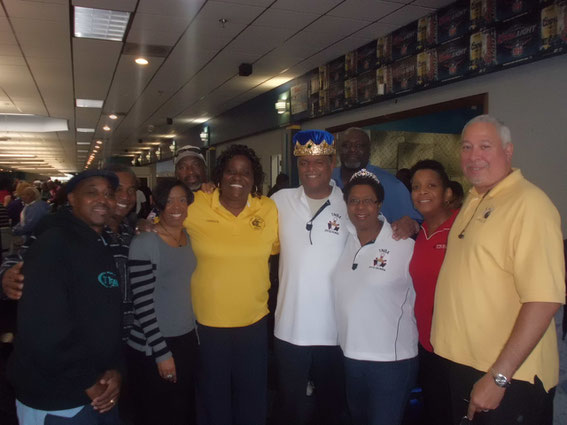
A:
<point x="233" y="230"/>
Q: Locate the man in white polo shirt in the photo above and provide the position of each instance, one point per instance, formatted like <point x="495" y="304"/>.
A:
<point x="312" y="230"/>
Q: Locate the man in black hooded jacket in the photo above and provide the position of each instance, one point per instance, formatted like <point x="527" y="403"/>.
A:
<point x="67" y="350"/>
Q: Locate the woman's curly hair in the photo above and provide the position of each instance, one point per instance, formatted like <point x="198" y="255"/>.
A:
<point x="236" y="150"/>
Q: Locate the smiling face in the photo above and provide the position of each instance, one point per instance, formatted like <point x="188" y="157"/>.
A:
<point x="428" y="194"/>
<point x="125" y="194"/>
<point x="92" y="201"/>
<point x="363" y="207"/>
<point x="191" y="171"/>
<point x="175" y="210"/>
<point x="484" y="160"/>
<point x="315" y="174"/>
<point x="237" y="180"/>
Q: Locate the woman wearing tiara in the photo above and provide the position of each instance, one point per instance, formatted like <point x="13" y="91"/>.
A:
<point x="374" y="299"/>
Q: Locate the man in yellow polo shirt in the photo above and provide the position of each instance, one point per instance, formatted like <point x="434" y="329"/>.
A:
<point x="501" y="283"/>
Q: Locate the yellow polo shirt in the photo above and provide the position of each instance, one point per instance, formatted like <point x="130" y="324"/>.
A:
<point x="230" y="285"/>
<point x="511" y="253"/>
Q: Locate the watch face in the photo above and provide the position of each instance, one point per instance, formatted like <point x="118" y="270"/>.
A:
<point x="501" y="380"/>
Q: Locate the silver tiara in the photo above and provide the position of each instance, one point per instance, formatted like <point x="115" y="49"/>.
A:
<point x="365" y="173"/>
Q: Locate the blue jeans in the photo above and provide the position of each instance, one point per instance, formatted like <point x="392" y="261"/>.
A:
<point x="85" y="415"/>
<point x="377" y="392"/>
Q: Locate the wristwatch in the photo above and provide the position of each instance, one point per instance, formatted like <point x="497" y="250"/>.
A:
<point x="500" y="380"/>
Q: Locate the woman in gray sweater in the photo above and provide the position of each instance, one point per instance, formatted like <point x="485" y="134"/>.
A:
<point x="163" y="341"/>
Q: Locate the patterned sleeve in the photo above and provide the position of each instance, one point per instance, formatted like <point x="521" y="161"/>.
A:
<point x="142" y="266"/>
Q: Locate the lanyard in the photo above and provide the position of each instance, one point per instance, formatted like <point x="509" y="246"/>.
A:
<point x="309" y="225"/>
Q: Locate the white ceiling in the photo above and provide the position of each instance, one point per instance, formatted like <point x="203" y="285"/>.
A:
<point x="43" y="68"/>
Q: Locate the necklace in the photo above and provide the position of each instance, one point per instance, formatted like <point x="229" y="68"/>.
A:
<point x="177" y="240"/>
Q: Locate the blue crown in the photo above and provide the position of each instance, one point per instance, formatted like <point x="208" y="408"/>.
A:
<point x="313" y="142"/>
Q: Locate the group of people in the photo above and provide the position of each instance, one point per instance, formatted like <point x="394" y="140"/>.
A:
<point x="363" y="311"/>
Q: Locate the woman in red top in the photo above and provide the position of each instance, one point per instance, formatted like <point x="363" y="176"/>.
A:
<point x="431" y="196"/>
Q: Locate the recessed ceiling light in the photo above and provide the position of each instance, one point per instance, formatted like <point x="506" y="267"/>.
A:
<point x="141" y="61"/>
<point x="89" y="103"/>
<point x="99" y="142"/>
<point x="106" y="128"/>
<point x="113" y="116"/>
<point x="100" y="23"/>
<point x="85" y="130"/>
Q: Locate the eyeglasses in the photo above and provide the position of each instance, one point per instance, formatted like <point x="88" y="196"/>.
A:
<point x="366" y="202"/>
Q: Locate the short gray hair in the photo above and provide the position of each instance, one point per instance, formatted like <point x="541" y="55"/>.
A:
<point x="501" y="128"/>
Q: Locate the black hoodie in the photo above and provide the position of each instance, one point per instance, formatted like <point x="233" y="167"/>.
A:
<point x="68" y="317"/>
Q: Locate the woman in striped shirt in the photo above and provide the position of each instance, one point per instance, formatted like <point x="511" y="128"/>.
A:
<point x="163" y="341"/>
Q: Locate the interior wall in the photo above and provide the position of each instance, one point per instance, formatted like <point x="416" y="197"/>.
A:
<point x="531" y="99"/>
<point x="265" y="145"/>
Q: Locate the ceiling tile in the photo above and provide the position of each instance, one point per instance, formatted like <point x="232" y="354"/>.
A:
<point x="406" y="15"/>
<point x="375" y="30"/>
<point x="94" y="65"/>
<point x="436" y="4"/>
<point x="367" y="10"/>
<point x="186" y="8"/>
<point x="289" y="19"/>
<point x="259" y="39"/>
<point x="327" y="25"/>
<point x="319" y="6"/>
<point x="38" y="11"/>
<point x="157" y="29"/>
<point x="234" y="13"/>
<point x="123" y="5"/>
<point x="264" y="3"/>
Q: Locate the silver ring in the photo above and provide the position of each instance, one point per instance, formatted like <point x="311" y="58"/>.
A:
<point x="169" y="376"/>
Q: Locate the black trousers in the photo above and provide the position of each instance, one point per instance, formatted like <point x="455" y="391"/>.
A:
<point x="295" y="366"/>
<point x="433" y="378"/>
<point x="233" y="375"/>
<point x="523" y="403"/>
<point x="157" y="401"/>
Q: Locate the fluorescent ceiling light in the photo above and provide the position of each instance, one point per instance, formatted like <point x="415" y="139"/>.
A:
<point x="31" y="123"/>
<point x="82" y="150"/>
<point x="85" y="130"/>
<point x="89" y="103"/>
<point x="100" y="23"/>
<point x="201" y="120"/>
<point x="15" y="155"/>
<point x="83" y="143"/>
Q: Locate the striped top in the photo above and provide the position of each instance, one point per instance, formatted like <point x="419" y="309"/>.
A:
<point x="160" y="277"/>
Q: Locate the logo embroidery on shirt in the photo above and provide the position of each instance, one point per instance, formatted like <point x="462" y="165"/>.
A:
<point x="108" y="280"/>
<point x="334" y="224"/>
<point x="380" y="262"/>
<point x="257" y="223"/>
<point x="441" y="246"/>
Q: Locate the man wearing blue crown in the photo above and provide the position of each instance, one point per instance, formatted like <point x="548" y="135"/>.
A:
<point x="312" y="229"/>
